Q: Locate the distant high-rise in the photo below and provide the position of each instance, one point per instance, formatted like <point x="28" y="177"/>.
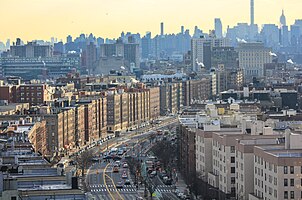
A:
<point x="218" y="28"/>
<point x="252" y="13"/>
<point x="282" y="19"/>
<point x="7" y="46"/>
<point x="201" y="51"/>
<point x="91" y="56"/>
<point x="252" y="57"/>
<point x="146" y="45"/>
<point x="31" y="50"/>
<point x="182" y="29"/>
<point x="69" y="39"/>
<point x="162" y="28"/>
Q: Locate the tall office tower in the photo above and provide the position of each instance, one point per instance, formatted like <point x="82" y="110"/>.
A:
<point x="7" y="45"/>
<point x="218" y="28"/>
<point x="270" y="35"/>
<point x="252" y="12"/>
<point x="282" y="19"/>
<point x="182" y="29"/>
<point x="294" y="35"/>
<point x="252" y="57"/>
<point x="69" y="39"/>
<point x="162" y="28"/>
<point x="91" y="56"/>
<point x="201" y="49"/>
<point x="285" y="36"/>
<point x="146" y="45"/>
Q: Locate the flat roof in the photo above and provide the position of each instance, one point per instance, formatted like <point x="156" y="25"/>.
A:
<point x="47" y="187"/>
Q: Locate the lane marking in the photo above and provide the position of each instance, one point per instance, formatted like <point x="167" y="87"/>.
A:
<point x="115" y="187"/>
<point x="104" y="178"/>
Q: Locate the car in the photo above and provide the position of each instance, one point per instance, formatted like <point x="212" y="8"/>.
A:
<point x="153" y="174"/>
<point x="117" y="163"/>
<point x="125" y="165"/>
<point x="127" y="156"/>
<point x="115" y="170"/>
<point x="117" y="158"/>
<point x="127" y="182"/>
<point x="95" y="159"/>
<point x="163" y="174"/>
<point x="119" y="184"/>
<point x="124" y="175"/>
<point x="180" y="194"/>
<point x="168" y="181"/>
<point x="120" y="153"/>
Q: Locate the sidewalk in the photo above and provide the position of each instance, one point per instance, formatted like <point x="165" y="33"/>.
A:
<point x="180" y="184"/>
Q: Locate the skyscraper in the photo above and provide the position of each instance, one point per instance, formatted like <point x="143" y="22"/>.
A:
<point x="69" y="39"/>
<point x="146" y="45"/>
<point x="201" y="51"/>
<point x="282" y="19"/>
<point x="252" y="12"/>
<point x="218" y="28"/>
<point x="182" y="29"/>
<point x="162" y="28"/>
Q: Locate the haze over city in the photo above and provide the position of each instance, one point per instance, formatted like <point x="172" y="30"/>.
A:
<point x="150" y="99"/>
<point x="35" y="19"/>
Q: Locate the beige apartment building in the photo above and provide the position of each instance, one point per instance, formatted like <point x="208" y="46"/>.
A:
<point x="154" y="102"/>
<point x="95" y="118"/>
<point x="204" y="155"/>
<point x="245" y="162"/>
<point x="278" y="170"/>
<point x="113" y="111"/>
<point x="171" y="98"/>
<point x="224" y="169"/>
<point x="80" y="125"/>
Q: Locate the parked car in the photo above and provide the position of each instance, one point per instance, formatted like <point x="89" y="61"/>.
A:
<point x="127" y="182"/>
<point x="153" y="174"/>
<point x="119" y="184"/>
<point x="115" y="169"/>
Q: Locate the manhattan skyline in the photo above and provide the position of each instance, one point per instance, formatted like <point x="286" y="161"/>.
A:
<point x="33" y="19"/>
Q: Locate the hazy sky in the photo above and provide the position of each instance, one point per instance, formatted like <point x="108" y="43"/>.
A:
<point x="42" y="19"/>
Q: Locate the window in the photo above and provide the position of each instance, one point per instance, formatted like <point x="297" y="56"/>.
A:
<point x="285" y="194"/>
<point x="232" y="180"/>
<point x="275" y="193"/>
<point x="13" y="198"/>
<point x="285" y="182"/>
<point x="285" y="170"/>
<point x="292" y="182"/>
<point x="232" y="170"/>
<point x="232" y="149"/>
<point x="292" y="169"/>
<point x="232" y="159"/>
<point x="233" y="190"/>
<point x="292" y="194"/>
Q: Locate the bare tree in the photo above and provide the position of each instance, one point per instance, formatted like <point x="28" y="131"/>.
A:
<point x="84" y="160"/>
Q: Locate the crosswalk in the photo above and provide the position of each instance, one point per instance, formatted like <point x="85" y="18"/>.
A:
<point x="111" y="188"/>
<point x="127" y="188"/>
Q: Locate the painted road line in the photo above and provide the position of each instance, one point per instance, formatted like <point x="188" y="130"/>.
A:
<point x="104" y="179"/>
<point x="121" y="198"/>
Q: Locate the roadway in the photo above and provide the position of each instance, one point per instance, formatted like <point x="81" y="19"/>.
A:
<point x="100" y="178"/>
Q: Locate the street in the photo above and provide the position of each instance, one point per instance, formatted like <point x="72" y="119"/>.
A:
<point x="103" y="183"/>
